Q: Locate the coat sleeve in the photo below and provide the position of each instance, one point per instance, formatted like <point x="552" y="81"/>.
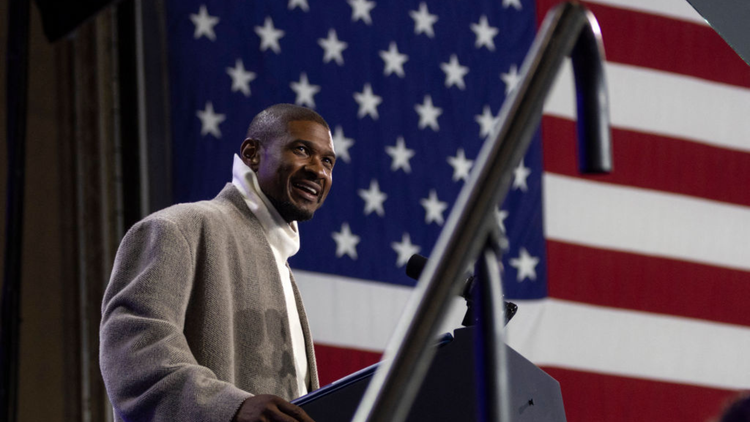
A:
<point x="148" y="368"/>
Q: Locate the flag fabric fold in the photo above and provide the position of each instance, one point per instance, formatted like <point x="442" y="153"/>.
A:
<point x="631" y="286"/>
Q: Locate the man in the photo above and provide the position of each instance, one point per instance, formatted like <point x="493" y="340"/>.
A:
<point x="201" y="320"/>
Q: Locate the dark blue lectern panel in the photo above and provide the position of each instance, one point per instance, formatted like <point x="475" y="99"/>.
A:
<point x="449" y="391"/>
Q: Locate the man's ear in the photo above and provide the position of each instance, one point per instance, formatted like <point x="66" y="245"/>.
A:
<point x="250" y="153"/>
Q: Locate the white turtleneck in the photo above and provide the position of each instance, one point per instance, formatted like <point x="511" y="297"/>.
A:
<point x="284" y="240"/>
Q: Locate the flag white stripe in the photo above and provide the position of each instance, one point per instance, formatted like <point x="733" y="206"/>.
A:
<point x="676" y="9"/>
<point x="666" y="104"/>
<point x="548" y="332"/>
<point x="629" y="343"/>
<point x="646" y="222"/>
<point x="358" y="314"/>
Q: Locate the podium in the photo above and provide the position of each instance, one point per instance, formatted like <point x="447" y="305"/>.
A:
<point x="449" y="390"/>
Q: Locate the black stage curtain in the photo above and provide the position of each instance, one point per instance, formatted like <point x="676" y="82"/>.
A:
<point x="61" y="17"/>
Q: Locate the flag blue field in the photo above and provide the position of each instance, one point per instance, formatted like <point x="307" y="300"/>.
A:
<point x="410" y="93"/>
<point x="627" y="284"/>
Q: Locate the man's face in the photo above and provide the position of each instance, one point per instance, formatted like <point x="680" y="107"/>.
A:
<point x="295" y="171"/>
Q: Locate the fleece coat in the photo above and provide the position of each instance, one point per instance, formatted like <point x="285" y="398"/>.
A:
<point x="194" y="319"/>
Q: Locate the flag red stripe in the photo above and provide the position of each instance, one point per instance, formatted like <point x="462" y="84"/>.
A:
<point x="645" y="283"/>
<point x="671" y="165"/>
<point x="661" y="43"/>
<point x="607" y="397"/>
<point x="619" y="399"/>
<point x="337" y="362"/>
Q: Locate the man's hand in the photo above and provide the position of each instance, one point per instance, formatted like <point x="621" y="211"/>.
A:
<point x="269" y="408"/>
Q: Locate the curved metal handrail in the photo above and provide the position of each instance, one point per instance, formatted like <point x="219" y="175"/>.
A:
<point x="568" y="29"/>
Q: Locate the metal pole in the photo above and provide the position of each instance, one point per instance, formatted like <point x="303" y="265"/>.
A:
<point x="491" y="362"/>
<point x="407" y="357"/>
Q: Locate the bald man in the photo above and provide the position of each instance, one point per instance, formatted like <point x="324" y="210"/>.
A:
<point x="202" y="320"/>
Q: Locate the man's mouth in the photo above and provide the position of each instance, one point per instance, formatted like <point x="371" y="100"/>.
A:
<point x="307" y="190"/>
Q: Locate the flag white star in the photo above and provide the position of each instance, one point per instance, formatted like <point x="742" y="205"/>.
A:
<point x="240" y="78"/>
<point x="485" y="34"/>
<point x="525" y="265"/>
<point x="515" y="3"/>
<point x="461" y="166"/>
<point x="361" y="10"/>
<point x="433" y="208"/>
<point x="511" y="79"/>
<point x="305" y="91"/>
<point x="210" y="120"/>
<point x="346" y="242"/>
<point x="405" y="249"/>
<point x="423" y="20"/>
<point x="269" y="36"/>
<point x="373" y="198"/>
<point x="394" y="61"/>
<point x="204" y="24"/>
<point x="400" y="155"/>
<point x="486" y="122"/>
<point x="341" y="144"/>
<point x="500" y="216"/>
<point x="428" y="114"/>
<point x="368" y="102"/>
<point x="454" y="73"/>
<point x="520" y="174"/>
<point x="332" y="48"/>
<point x="302" y="4"/>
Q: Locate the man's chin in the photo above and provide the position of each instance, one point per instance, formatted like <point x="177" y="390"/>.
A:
<point x="299" y="215"/>
<point x="290" y="212"/>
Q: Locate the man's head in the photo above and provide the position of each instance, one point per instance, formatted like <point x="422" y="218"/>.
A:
<point x="291" y="151"/>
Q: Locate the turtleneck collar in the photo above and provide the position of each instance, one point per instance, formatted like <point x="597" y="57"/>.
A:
<point x="283" y="236"/>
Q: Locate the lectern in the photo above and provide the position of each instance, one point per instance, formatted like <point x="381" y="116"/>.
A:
<point x="449" y="390"/>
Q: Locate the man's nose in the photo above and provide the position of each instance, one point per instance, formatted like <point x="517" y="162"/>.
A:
<point x="316" y="167"/>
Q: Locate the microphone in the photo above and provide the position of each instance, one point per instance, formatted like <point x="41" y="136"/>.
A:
<point x="414" y="268"/>
<point x="416" y="265"/>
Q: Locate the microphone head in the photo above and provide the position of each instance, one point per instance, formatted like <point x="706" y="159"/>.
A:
<point x="415" y="266"/>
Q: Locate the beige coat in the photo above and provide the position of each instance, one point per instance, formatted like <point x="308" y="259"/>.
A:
<point x="194" y="319"/>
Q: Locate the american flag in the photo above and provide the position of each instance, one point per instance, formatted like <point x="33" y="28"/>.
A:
<point x="632" y="287"/>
